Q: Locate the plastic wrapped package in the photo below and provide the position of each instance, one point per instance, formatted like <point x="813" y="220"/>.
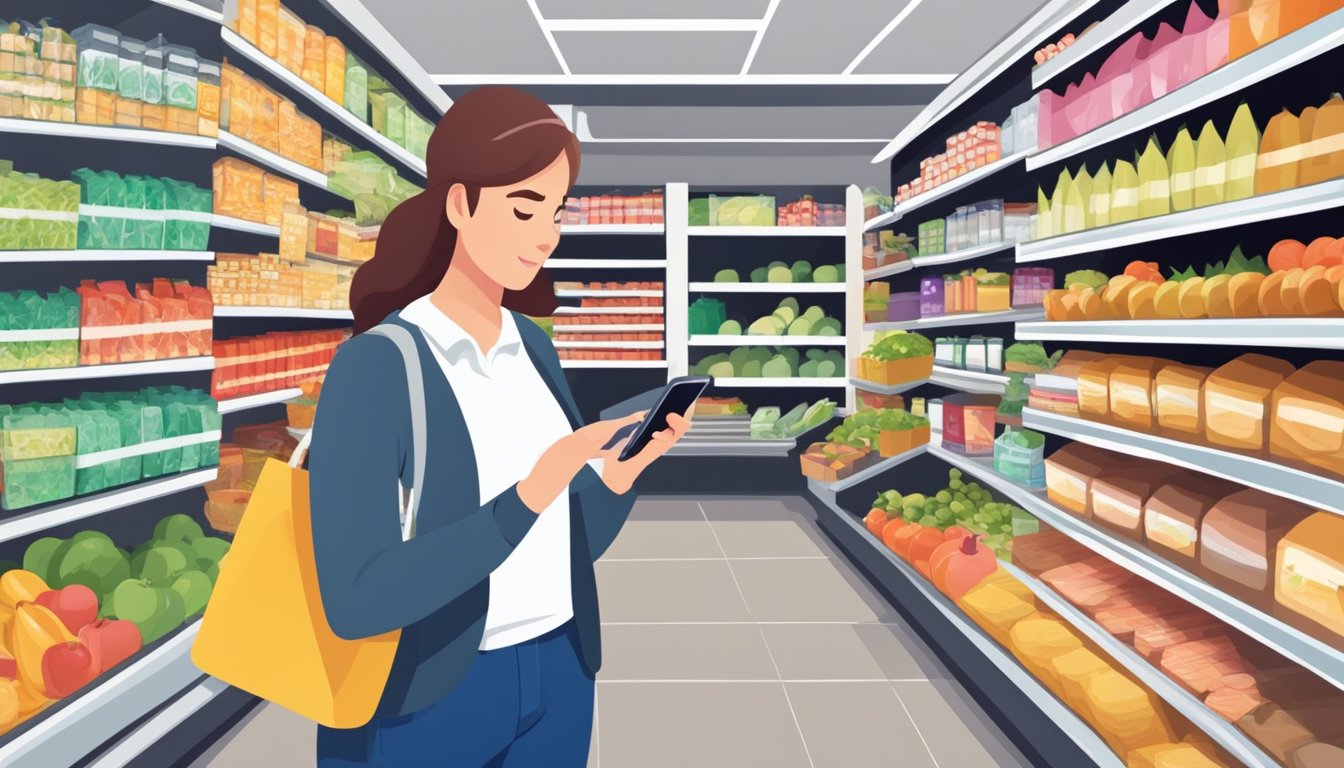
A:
<point x="238" y="187"/>
<point x="245" y="20"/>
<point x="290" y="32"/>
<point x="187" y="217"/>
<point x="333" y="75"/>
<point x="346" y="235"/>
<point x="207" y="98"/>
<point x="179" y="88"/>
<point x="356" y="98"/>
<point x="742" y="211"/>
<point x="23" y="317"/>
<point x="237" y="103"/>
<point x="314" y="67"/>
<point x="37" y="213"/>
<point x="293" y="232"/>
<point x="266" y="119"/>
<point x="153" y="114"/>
<point x="130" y="82"/>
<point x="99" y="50"/>
<point x="303" y="136"/>
<point x="38" y="455"/>
<point x="268" y="27"/>
<point x="277" y="192"/>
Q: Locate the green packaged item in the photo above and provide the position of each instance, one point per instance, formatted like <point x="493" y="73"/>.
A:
<point x="179" y="76"/>
<point x="131" y="68"/>
<point x="705" y="316"/>
<point x="102" y="197"/>
<point x="697" y="214"/>
<point x="1181" y="161"/>
<point x="35" y="432"/>
<point x="37" y="213"/>
<point x="1019" y="455"/>
<point x="152" y="79"/>
<point x="153" y="221"/>
<point x="38" y="332"/>
<point x="933" y="237"/>
<point x="99" y="54"/>
<point x="356" y="87"/>
<point x="187" y="216"/>
<point x="38" y="481"/>
<point x="742" y="211"/>
<point x="133" y="235"/>
<point x="1124" y="192"/>
<point x="763" y="422"/>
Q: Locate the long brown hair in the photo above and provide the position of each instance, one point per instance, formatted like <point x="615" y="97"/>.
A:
<point x="491" y="137"/>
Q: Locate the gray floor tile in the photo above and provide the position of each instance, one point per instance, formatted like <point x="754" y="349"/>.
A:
<point x="758" y="508"/>
<point x="707" y="725"/>
<point x="685" y="652"/>
<point x="802" y="590"/>
<point x="857" y="725"/>
<point x="666" y="508"/>
<point x="958" y="732"/>
<point x="766" y="538"/>
<point x="654" y="539"/>
<point x="652" y="591"/>
<point x="849" y="652"/>
<point x="270" y="735"/>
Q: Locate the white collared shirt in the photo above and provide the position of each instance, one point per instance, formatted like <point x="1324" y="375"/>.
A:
<point x="512" y="418"/>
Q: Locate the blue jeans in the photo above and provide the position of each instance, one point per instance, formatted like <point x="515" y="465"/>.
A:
<point x="527" y="705"/>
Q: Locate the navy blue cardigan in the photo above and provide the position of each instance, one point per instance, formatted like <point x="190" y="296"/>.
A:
<point x="435" y="587"/>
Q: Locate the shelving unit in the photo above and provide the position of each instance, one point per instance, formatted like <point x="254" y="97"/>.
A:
<point x="885" y="389"/>
<point x="767" y="231"/>
<point x="247" y="402"/>
<point x="105" y="133"/>
<point x="612" y="229"/>
<point x="607" y="311"/>
<point x="609" y="328"/>
<point x="767" y="287"/>
<point x="795" y="382"/>
<point x="1120" y="23"/>
<point x="980" y="174"/>
<point x="312" y="314"/>
<point x="604" y="293"/>
<point x="868" y="473"/>
<point x="1297" y="332"/>
<point x="890" y="270"/>
<point x="982" y="382"/>
<point x="606" y="264"/>
<point x="242" y="225"/>
<point x="100" y="255"/>
<point x="608" y="345"/>
<point x="272" y="161"/>
<point x="581" y="364"/>
<point x="767" y="341"/>
<point x="965" y="318"/>
<point x="109" y="370"/>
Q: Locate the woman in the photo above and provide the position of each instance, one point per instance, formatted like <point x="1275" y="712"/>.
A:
<point x="494" y="592"/>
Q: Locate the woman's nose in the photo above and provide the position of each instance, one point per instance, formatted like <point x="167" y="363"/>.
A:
<point x="545" y="248"/>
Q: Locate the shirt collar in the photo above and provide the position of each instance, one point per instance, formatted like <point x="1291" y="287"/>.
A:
<point x="453" y="341"/>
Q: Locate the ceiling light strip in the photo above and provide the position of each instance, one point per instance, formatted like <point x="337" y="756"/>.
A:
<point x="760" y="33"/>
<point x="585" y="135"/>
<point x="887" y="30"/>
<point x="550" y="38"/>
<point x="458" y="79"/>
<point x="654" y="25"/>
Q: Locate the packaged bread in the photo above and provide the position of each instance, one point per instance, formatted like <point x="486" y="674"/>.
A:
<point x="1173" y="514"/>
<point x="1131" y="392"/>
<point x="1069" y="472"/>
<point x="1307" y="416"/>
<point x="1239" y="540"/>
<point x="1117" y="497"/>
<point x="1310" y="570"/>
<point x="1280" y="153"/>
<point x="1124" y="713"/>
<point x="996" y="611"/>
<point x="1178" y="400"/>
<point x="1094" y="381"/>
<point x="1237" y="401"/>
<point x="1036" y="642"/>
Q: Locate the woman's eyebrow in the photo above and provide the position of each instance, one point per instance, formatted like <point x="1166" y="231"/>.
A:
<point x="527" y="194"/>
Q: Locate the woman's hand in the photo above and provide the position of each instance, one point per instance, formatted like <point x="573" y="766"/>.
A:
<point x="557" y="467"/>
<point x="619" y="475"/>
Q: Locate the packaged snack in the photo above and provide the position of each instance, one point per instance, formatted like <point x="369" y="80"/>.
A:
<point x="1237" y="401"/>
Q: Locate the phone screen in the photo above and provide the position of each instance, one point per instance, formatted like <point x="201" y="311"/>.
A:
<point x="678" y="397"/>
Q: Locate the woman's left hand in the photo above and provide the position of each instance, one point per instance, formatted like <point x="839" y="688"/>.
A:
<point x="619" y="475"/>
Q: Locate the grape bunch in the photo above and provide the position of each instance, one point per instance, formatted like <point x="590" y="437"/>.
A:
<point x="962" y="503"/>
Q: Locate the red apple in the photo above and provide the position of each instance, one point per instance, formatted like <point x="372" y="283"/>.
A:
<point x="75" y="606"/>
<point x="66" y="667"/>
<point x="9" y="668"/>
<point x="111" y="641"/>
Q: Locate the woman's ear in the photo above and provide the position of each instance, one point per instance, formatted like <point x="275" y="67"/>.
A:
<point x="456" y="206"/>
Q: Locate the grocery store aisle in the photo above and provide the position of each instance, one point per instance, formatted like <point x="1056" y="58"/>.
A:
<point x="735" y="634"/>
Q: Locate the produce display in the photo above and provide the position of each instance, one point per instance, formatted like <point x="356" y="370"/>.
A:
<point x="807" y="212"/>
<point x="37" y="71"/>
<point x="240" y="464"/>
<point x="768" y="363"/>
<point x="370" y="183"/>
<point x="37" y="213"/>
<point x="324" y="63"/>
<point x="1199" y="171"/>
<point x="896" y="357"/>
<point x="266" y="280"/>
<point x="779" y="272"/>
<point x="741" y="211"/>
<point x="1143" y="69"/>
<point x="161" y="320"/>
<point x="861" y="440"/>
<point x="646" y="208"/>
<point x="39" y="331"/>
<point x="769" y="423"/>
<point x="787" y="320"/>
<point x="962" y="509"/>
<point x="50" y="452"/>
<point x="630" y="285"/>
<point x="272" y="361"/>
<point x="717" y="407"/>
<point x="884" y="248"/>
<point x="977" y="146"/>
<point x="875" y="203"/>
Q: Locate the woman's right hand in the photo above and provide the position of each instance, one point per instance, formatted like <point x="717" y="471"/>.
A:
<point x="558" y="465"/>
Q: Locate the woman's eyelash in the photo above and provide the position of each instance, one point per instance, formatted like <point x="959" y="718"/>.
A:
<point x="521" y="215"/>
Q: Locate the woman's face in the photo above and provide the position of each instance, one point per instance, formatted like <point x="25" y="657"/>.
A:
<point x="514" y="228"/>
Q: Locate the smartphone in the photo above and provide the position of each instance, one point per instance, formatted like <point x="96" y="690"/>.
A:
<point x="678" y="397"/>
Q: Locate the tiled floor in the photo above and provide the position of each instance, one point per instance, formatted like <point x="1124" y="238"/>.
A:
<point x="735" y="635"/>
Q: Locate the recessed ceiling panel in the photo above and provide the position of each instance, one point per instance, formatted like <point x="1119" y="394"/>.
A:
<point x="946" y="36"/>
<point x="648" y="53"/>
<point x="747" y="122"/>
<point x="820" y="38"/>
<point x="499" y="37"/>
<point x="652" y="9"/>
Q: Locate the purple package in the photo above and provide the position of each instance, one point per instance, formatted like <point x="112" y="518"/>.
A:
<point x="903" y="306"/>
<point x="931" y="297"/>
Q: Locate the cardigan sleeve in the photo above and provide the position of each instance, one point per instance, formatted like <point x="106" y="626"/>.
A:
<point x="604" y="511"/>
<point x="371" y="581"/>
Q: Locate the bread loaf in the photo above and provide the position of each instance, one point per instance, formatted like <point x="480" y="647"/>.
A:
<point x="1239" y="539"/>
<point x="1094" y="388"/>
<point x="1237" y="401"/>
<point x="1131" y="392"/>
<point x="1173" y="514"/>
<point x="1178" y="400"/>
<point x="1116" y="497"/>
<point x="1310" y="570"/>
<point x="1069" y="472"/>
<point x="1307" y="416"/>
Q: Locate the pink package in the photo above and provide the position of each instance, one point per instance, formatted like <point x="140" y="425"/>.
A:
<point x="1077" y="107"/>
<point x="1141" y="91"/>
<point x="1049" y="105"/>
<point x="1189" y="60"/>
<point x="1160" y="60"/>
<point x="1118" y="74"/>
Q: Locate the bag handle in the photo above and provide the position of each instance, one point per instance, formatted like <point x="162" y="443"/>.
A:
<point x="415" y="384"/>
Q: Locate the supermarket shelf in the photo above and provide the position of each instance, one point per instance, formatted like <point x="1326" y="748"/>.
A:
<point x="1313" y="654"/>
<point x="965" y="254"/>
<point x="1225" y="734"/>
<point x="885" y="389"/>
<point x="20" y="524"/>
<point x="900" y="267"/>
<point x="1124" y="19"/>
<point x="109" y="370"/>
<point x="733" y="448"/>
<point x="608" y="311"/>
<point x="964" y="318"/>
<point x="613" y="363"/>
<point x="606" y="263"/>
<point x="604" y="293"/>
<point x="1295" y="332"/>
<point x="955" y="185"/>
<point x="864" y="475"/>
<point x="359" y="21"/>
<point x="878" y="222"/>
<point x="315" y="314"/>
<point x="1310" y="488"/>
<point x="781" y="382"/>
<point x="773" y="341"/>
<point x="378" y="141"/>
<point x="1085" y="740"/>
<point x="1291" y="202"/>
<point x="272" y="160"/>
<point x="980" y="382"/>
<point x="768" y="287"/>
<point x="195" y="9"/>
<point x="102" y="255"/>
<point x="105" y="133"/>
<point x="611" y="229"/>
<point x="235" y="404"/>
<point x="1315" y="39"/>
<point x="610" y="328"/>
<point x="243" y="225"/>
<point x="141" y="745"/>
<point x="767" y="231"/>
<point x="608" y="345"/>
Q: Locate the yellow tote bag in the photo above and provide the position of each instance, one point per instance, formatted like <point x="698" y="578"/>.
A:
<point x="264" y="629"/>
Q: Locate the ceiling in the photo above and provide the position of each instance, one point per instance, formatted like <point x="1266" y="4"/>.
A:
<point x="839" y="77"/>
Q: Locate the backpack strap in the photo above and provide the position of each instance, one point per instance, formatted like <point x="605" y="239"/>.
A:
<point x="416" y="385"/>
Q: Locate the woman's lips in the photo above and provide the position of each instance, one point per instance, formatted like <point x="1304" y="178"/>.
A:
<point x="529" y="264"/>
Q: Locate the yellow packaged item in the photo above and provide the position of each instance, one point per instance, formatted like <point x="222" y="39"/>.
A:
<point x="315" y="57"/>
<point x="1243" y="146"/>
<point x="245" y="23"/>
<point x="1310" y="570"/>
<point x="1009" y="583"/>
<point x="289" y="40"/>
<point x="293" y="232"/>
<point x="277" y="192"/>
<point x="1124" y="713"/>
<point x="238" y="189"/>
<point x="1073" y="670"/>
<point x="1280" y="154"/>
<point x="268" y="26"/>
<point x="333" y="81"/>
<point x="266" y="119"/>
<point x="1124" y="192"/>
<point x="1099" y="205"/>
<point x="1044" y="219"/>
<point x="1154" y="181"/>
<point x="996" y="611"/>
<point x="1323" y="155"/>
<point x="1210" y="167"/>
<point x="1253" y="27"/>
<point x="1181" y="163"/>
<point x="1058" y="202"/>
<point x="1037" y="642"/>
<point x="1078" y="202"/>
